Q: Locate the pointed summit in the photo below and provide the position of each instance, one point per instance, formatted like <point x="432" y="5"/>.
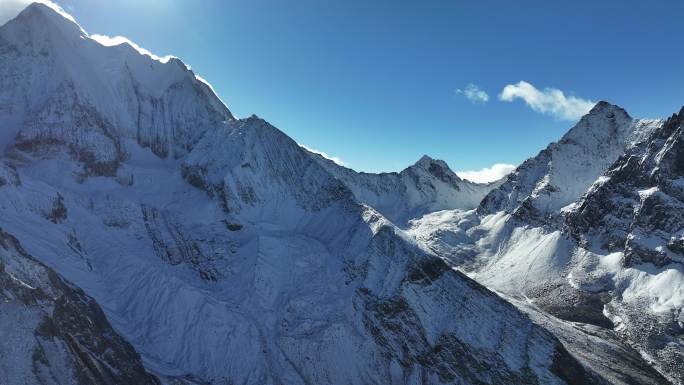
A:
<point x="43" y="28"/>
<point x="605" y="122"/>
<point x="562" y="172"/>
<point x="609" y="110"/>
<point x="126" y="91"/>
<point x="424" y="160"/>
<point x="436" y="167"/>
<point x="47" y="9"/>
<point x="427" y="162"/>
<point x="47" y="16"/>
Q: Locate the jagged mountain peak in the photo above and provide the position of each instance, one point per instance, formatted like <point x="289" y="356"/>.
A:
<point x="596" y="217"/>
<point x="562" y="172"/>
<point x="47" y="31"/>
<point x="427" y="168"/>
<point x="674" y="120"/>
<point x="48" y="11"/>
<point x="51" y="66"/>
<point x="606" y="107"/>
<point x="604" y="121"/>
<point x="428" y="185"/>
<point x="46" y="20"/>
<point x="637" y="204"/>
<point x="425" y="159"/>
<point x="434" y="166"/>
<point x="49" y="26"/>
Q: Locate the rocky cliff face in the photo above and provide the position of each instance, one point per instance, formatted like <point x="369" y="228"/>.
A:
<point x="561" y="173"/>
<point x="636" y="210"/>
<point x="637" y="205"/>
<point x="53" y="333"/>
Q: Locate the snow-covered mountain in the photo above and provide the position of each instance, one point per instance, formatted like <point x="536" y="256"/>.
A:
<point x="561" y="173"/>
<point x="587" y="231"/>
<point x="57" y="86"/>
<point x="217" y="248"/>
<point x="149" y="236"/>
<point x="635" y="212"/>
<point x="427" y="186"/>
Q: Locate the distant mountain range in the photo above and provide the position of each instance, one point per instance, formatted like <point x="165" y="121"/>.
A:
<point x="148" y="236"/>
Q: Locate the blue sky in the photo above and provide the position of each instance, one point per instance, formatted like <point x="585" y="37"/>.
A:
<point x="376" y="83"/>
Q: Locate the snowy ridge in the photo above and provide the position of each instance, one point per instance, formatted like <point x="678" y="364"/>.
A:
<point x="562" y="172"/>
<point x="259" y="172"/>
<point x="51" y="66"/>
<point x="427" y="186"/>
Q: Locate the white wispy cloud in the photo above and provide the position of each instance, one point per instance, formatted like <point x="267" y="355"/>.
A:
<point x="325" y="155"/>
<point x="9" y="9"/>
<point x="487" y="174"/>
<point x="474" y="93"/>
<point x="549" y="101"/>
